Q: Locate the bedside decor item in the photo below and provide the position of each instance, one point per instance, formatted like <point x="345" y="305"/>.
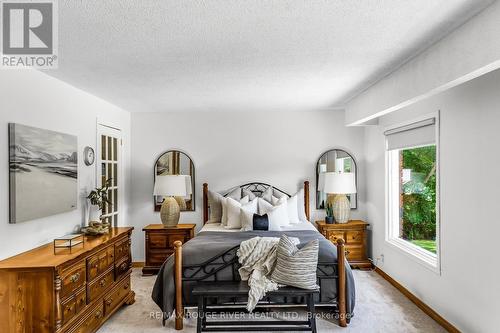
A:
<point x="334" y="160"/>
<point x="329" y="214"/>
<point x="68" y="242"/>
<point x="170" y="186"/>
<point x="340" y="184"/>
<point x="159" y="242"/>
<point x="175" y="162"/>
<point x="88" y="155"/>
<point x="42" y="164"/>
<point x="98" y="199"/>
<point x="354" y="234"/>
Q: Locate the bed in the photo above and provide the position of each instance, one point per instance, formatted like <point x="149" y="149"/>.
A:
<point x="211" y="256"/>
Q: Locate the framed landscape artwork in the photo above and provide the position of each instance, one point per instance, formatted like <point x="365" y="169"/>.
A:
<point x="43" y="169"/>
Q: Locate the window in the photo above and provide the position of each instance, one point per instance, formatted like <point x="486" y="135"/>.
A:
<point x="412" y="201"/>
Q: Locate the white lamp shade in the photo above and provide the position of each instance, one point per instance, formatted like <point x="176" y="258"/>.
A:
<point x="189" y="187"/>
<point x="170" y="185"/>
<point x="339" y="182"/>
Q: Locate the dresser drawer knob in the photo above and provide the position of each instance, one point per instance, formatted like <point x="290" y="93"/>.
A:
<point x="75" y="277"/>
<point x="109" y="302"/>
<point x="98" y="314"/>
<point x="126" y="286"/>
<point x="102" y="282"/>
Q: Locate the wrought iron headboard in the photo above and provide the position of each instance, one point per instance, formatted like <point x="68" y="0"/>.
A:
<point x="256" y="188"/>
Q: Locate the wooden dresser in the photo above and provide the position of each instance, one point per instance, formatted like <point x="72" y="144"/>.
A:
<point x="75" y="293"/>
<point x="354" y="235"/>
<point x="159" y="241"/>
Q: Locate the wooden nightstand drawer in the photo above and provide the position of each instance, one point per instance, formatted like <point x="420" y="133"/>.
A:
<point x="160" y="243"/>
<point x="354" y="235"/>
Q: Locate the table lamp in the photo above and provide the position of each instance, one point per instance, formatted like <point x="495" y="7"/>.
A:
<point x="340" y="184"/>
<point x="170" y="186"/>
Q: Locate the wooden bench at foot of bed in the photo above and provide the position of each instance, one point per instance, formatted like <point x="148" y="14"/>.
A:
<point x="341" y="284"/>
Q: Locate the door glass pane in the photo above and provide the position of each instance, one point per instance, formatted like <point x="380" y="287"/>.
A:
<point x="115" y="174"/>
<point x="115" y="200"/>
<point x="103" y="147"/>
<point x="109" y="148"/>
<point x="115" y="150"/>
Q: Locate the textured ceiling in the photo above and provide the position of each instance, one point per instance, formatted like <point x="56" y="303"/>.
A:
<point x="243" y="55"/>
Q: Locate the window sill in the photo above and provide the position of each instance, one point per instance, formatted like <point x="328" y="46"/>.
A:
<point x="423" y="257"/>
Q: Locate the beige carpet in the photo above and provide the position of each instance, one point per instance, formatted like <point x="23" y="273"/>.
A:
<point x="379" y="308"/>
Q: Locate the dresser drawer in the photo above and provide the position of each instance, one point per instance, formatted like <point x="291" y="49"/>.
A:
<point x="116" y="296"/>
<point x="80" y="300"/>
<point x="177" y="237"/>
<point x="158" y="241"/>
<point x="122" y="249"/>
<point x="100" y="262"/>
<point x="91" y="322"/>
<point x="121" y="268"/>
<point x="72" y="279"/>
<point x="100" y="285"/>
<point x="68" y="309"/>
<point x="354" y="237"/>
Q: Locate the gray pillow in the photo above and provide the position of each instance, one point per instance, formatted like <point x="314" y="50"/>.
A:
<point x="250" y="194"/>
<point x="234" y="194"/>
<point x="268" y="195"/>
<point x="294" y="267"/>
<point x="215" y="203"/>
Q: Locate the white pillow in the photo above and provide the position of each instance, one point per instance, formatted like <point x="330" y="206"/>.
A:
<point x="300" y="206"/>
<point x="215" y="201"/>
<point x="249" y="193"/>
<point x="234" y="194"/>
<point x="246" y="214"/>
<point x="268" y="194"/>
<point x="293" y="212"/>
<point x="278" y="217"/>
<point x="264" y="206"/>
<point x="224" y="202"/>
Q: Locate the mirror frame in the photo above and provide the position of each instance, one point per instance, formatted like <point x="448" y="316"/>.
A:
<point x="193" y="180"/>
<point x="355" y="176"/>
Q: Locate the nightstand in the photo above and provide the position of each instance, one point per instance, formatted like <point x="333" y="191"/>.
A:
<point x="159" y="242"/>
<point x="354" y="235"/>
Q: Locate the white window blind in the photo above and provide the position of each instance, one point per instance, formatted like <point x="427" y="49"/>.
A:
<point x="417" y="134"/>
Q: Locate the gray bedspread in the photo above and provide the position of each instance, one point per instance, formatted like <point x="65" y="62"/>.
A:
<point x="207" y="245"/>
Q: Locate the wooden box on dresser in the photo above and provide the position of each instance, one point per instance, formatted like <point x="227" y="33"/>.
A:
<point x="159" y="241"/>
<point x="354" y="235"/>
<point x="66" y="292"/>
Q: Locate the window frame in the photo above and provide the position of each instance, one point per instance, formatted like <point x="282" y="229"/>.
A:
<point x="426" y="258"/>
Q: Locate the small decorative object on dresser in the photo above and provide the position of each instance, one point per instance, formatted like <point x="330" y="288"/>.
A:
<point x="354" y="234"/>
<point x="66" y="243"/>
<point x="171" y="186"/>
<point x="45" y="293"/>
<point x="160" y="243"/>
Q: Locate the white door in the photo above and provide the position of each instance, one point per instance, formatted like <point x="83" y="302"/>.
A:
<point x="109" y="149"/>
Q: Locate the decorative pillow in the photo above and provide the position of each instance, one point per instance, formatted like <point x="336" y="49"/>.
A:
<point x="250" y="194"/>
<point x="246" y="214"/>
<point x="264" y="206"/>
<point x="268" y="194"/>
<point x="225" y="211"/>
<point x="233" y="214"/>
<point x="294" y="267"/>
<point x="215" y="203"/>
<point x="260" y="222"/>
<point x="234" y="194"/>
<point x="293" y="212"/>
<point x="278" y="194"/>
<point x="300" y="206"/>
<point x="278" y="217"/>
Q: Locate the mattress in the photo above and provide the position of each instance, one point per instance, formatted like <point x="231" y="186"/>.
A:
<point x="292" y="227"/>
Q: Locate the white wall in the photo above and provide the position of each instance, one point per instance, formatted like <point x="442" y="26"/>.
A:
<point x="229" y="149"/>
<point x="467" y="293"/>
<point x="32" y="98"/>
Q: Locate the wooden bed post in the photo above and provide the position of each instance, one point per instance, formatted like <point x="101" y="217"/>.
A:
<point x="205" y="202"/>
<point x="306" y="199"/>
<point x="341" y="279"/>
<point x="179" y="310"/>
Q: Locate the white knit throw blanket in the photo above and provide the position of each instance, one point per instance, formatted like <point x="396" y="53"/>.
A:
<point x="257" y="257"/>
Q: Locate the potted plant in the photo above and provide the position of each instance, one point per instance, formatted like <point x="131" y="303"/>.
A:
<point x="329" y="214"/>
<point x="98" y="198"/>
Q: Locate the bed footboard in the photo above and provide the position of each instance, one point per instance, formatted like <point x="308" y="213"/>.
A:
<point x="178" y="278"/>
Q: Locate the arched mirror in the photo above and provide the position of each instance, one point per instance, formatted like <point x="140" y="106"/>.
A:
<point x="335" y="160"/>
<point x="174" y="162"/>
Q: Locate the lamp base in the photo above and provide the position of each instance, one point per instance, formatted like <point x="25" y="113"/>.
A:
<point x="341" y="208"/>
<point x="170" y="212"/>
